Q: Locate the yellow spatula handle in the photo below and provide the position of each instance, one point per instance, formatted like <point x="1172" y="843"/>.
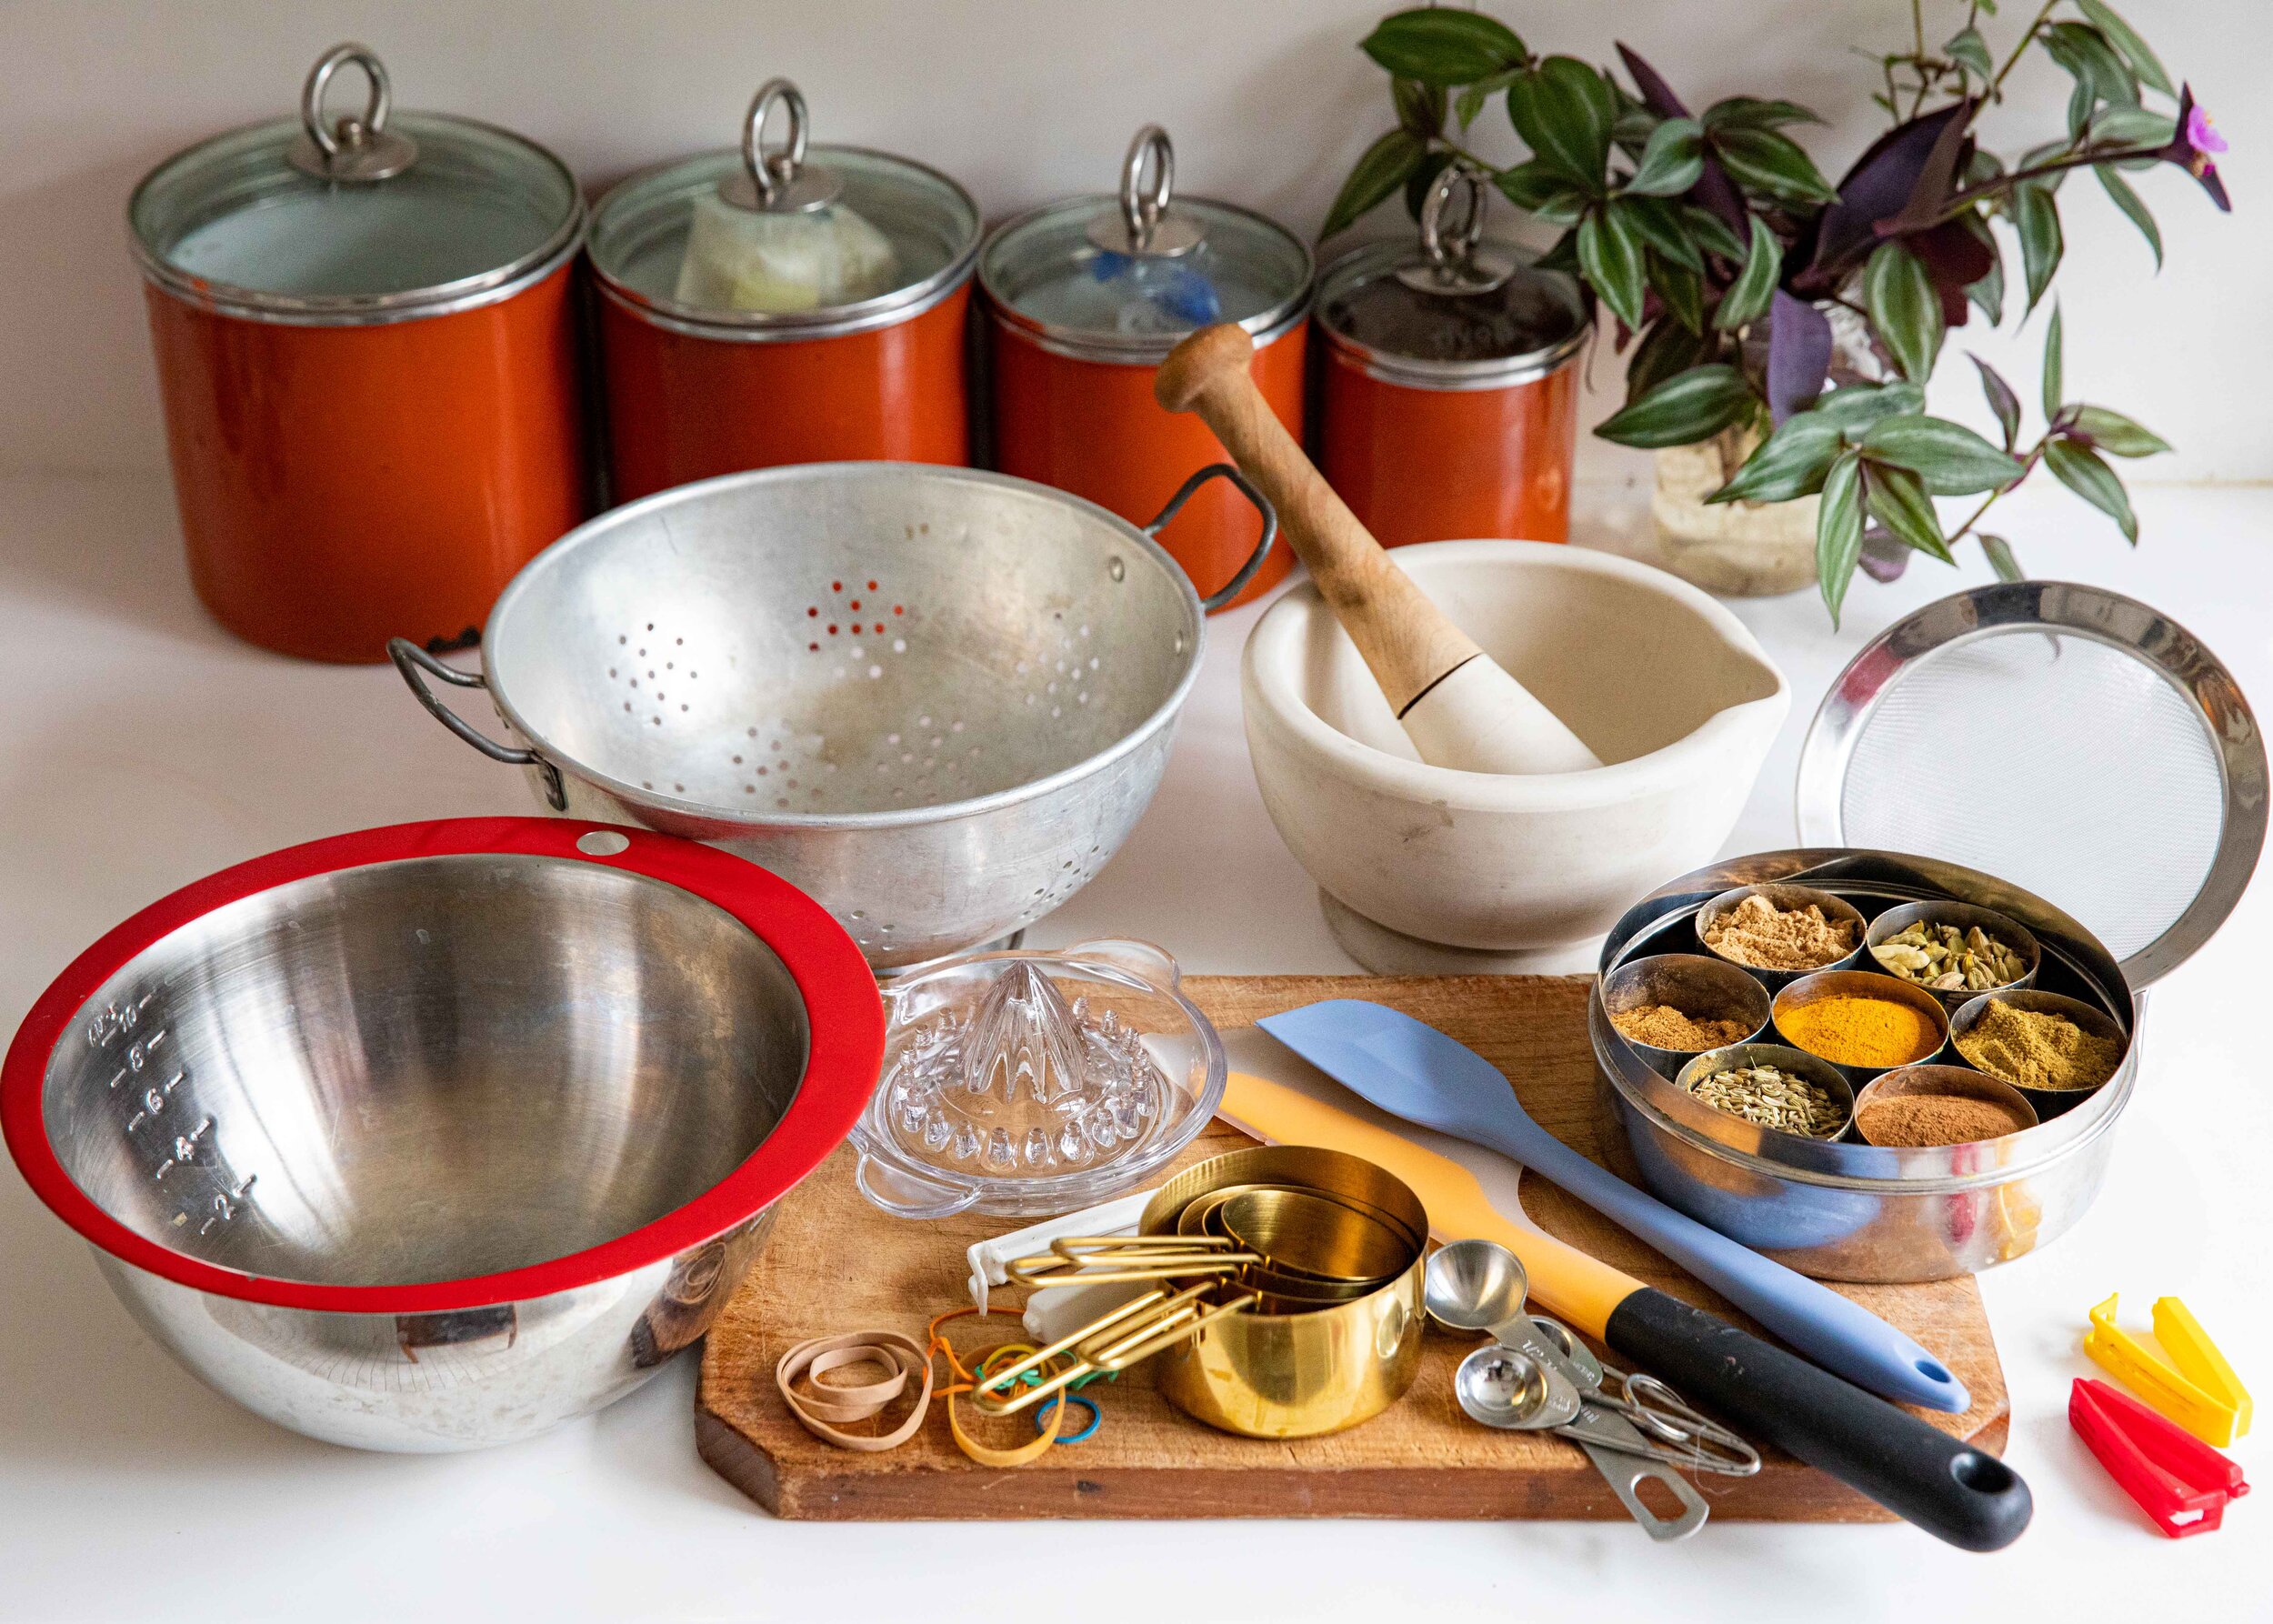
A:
<point x="1571" y="1284"/>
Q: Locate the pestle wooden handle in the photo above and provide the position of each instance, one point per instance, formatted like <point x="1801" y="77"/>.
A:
<point x="1407" y="642"/>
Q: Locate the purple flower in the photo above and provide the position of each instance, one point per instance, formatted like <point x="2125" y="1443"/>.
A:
<point x="2202" y="135"/>
<point x="2194" y="146"/>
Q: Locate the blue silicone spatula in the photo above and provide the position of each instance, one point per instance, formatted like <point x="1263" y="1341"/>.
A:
<point x="1411" y="1070"/>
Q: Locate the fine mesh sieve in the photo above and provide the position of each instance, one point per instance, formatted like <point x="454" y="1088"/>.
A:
<point x="2065" y="738"/>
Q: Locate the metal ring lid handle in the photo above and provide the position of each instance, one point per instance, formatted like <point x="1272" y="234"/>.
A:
<point x="360" y="150"/>
<point x="410" y="660"/>
<point x="1144" y="225"/>
<point x="1455" y="262"/>
<point x="777" y="181"/>
<point x="1184" y="492"/>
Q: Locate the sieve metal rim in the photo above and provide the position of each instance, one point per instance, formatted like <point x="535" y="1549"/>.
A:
<point x="597" y="531"/>
<point x="2113" y="620"/>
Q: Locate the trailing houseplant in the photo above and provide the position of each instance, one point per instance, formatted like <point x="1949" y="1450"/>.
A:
<point x="1726" y="259"/>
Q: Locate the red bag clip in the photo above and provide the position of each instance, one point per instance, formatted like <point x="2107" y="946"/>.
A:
<point x="2180" y="1481"/>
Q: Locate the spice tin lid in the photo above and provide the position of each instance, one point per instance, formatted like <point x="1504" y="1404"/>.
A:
<point x="376" y="216"/>
<point x="1121" y="277"/>
<point x="1451" y="310"/>
<point x="796" y="241"/>
<point x="1978" y="731"/>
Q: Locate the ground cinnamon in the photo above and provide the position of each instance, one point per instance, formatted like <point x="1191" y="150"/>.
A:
<point x="1911" y="1121"/>
<point x="1757" y="932"/>
<point x="1661" y="1025"/>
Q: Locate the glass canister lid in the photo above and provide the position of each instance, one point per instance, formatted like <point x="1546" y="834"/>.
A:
<point x="795" y="241"/>
<point x="1121" y="277"/>
<point x="1452" y="310"/>
<point x="2063" y="738"/>
<point x="366" y="218"/>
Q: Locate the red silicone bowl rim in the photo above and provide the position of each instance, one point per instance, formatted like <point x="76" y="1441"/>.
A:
<point x="844" y="1013"/>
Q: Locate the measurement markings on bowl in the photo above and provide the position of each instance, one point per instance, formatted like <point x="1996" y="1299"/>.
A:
<point x="177" y="1148"/>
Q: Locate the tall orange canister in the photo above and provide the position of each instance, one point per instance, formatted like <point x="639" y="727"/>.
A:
<point x="1085" y="298"/>
<point x="1450" y="404"/>
<point x="366" y="350"/>
<point x="793" y="305"/>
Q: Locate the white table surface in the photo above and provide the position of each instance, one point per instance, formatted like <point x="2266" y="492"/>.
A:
<point x="141" y="748"/>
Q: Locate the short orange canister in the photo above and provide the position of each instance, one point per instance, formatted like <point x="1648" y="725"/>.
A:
<point x="802" y="304"/>
<point x="366" y="351"/>
<point x="1450" y="405"/>
<point x="1086" y="297"/>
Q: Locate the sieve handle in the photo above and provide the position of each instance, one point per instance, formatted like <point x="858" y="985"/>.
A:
<point x="411" y="660"/>
<point x="1184" y="492"/>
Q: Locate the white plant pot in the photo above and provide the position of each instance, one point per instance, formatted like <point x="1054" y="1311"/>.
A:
<point x="1665" y="684"/>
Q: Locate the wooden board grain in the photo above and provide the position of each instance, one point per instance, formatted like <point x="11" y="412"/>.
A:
<point x="834" y="1263"/>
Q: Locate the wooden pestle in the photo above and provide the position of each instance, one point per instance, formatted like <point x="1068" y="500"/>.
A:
<point x="1456" y="704"/>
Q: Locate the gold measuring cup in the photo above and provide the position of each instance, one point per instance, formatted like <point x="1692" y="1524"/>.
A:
<point x="1236" y="1350"/>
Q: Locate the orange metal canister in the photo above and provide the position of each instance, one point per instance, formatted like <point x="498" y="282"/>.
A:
<point x="766" y="307"/>
<point x="1086" y="297"/>
<point x="1450" y="404"/>
<point x="366" y="349"/>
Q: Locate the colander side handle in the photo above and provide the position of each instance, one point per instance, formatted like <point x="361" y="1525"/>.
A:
<point x="1237" y="584"/>
<point x="410" y="660"/>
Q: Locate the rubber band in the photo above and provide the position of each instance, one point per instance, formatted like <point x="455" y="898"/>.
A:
<point x="1097" y="1416"/>
<point x="966" y="1382"/>
<point x="824" y="1404"/>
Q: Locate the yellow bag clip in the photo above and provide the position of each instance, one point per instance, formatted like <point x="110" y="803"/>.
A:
<point x="2201" y="1393"/>
<point x="2198" y="1359"/>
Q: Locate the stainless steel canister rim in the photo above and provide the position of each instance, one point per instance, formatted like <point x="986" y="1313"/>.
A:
<point x="633" y="213"/>
<point x="1374" y="261"/>
<point x="599" y="531"/>
<point x="257" y="153"/>
<point x="1286" y="309"/>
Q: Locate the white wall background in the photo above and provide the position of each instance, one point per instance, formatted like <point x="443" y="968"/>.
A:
<point x="1023" y="100"/>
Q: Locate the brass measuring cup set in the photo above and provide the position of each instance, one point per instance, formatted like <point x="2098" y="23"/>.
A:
<point x="1285" y="1291"/>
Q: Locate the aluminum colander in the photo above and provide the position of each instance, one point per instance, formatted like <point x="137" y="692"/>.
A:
<point x="935" y="699"/>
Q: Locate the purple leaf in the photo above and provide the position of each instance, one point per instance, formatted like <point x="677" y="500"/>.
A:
<point x="1936" y="179"/>
<point x="1955" y="259"/>
<point x="1798" y="354"/>
<point x="1714" y="190"/>
<point x="1884" y="558"/>
<point x="1875" y="188"/>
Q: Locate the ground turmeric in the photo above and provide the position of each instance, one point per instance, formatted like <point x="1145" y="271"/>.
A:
<point x="1860" y="1031"/>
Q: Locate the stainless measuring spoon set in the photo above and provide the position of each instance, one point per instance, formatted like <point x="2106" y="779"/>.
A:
<point x="1536" y="1376"/>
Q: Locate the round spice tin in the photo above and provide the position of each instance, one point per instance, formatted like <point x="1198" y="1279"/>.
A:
<point x="1085" y="298"/>
<point x="787" y="304"/>
<point x="1450" y="402"/>
<point x="366" y="351"/>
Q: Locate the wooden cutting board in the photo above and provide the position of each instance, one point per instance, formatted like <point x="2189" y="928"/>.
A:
<point x="834" y="1263"/>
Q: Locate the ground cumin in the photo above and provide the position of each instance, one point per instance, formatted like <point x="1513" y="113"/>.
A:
<point x="1661" y="1025"/>
<point x="1910" y="1121"/>
<point x="2038" y="1050"/>
<point x="1860" y="1031"/>
<point x="1759" y="933"/>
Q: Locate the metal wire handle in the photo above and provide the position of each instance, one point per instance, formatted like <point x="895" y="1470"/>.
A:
<point x="771" y="173"/>
<point x="410" y="659"/>
<point x="1140" y="210"/>
<point x="1232" y="588"/>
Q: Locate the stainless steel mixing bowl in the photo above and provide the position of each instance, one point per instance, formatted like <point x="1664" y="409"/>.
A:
<point x="434" y="1137"/>
<point x="1846" y="1211"/>
<point x="937" y="699"/>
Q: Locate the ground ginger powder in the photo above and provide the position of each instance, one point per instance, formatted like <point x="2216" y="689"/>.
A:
<point x="2038" y="1049"/>
<point x="1661" y="1025"/>
<point x="1759" y="933"/>
<point x="1860" y="1031"/>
